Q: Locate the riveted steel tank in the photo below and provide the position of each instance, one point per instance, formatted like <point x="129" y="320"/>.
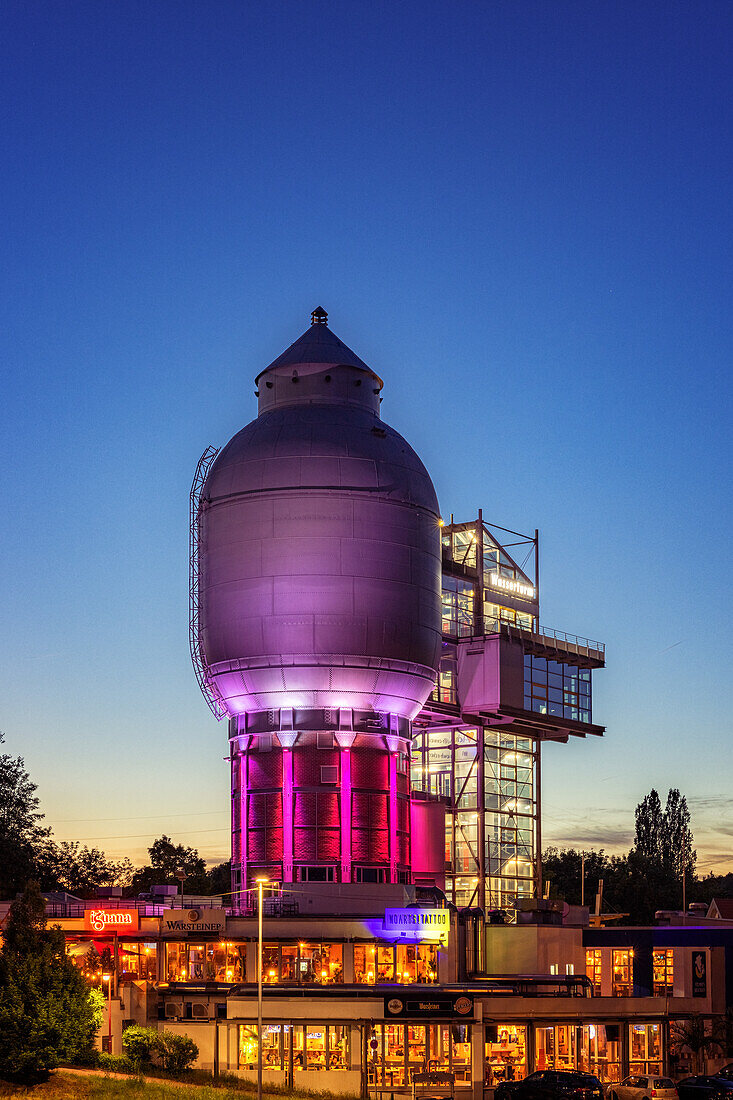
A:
<point x="319" y="548"/>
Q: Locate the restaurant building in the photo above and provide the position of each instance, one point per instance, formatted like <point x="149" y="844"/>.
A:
<point x="363" y="1000"/>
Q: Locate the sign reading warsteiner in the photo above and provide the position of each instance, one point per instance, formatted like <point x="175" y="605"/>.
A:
<point x="422" y="924"/>
<point x="198" y="921"/>
<point x="111" y="920"/>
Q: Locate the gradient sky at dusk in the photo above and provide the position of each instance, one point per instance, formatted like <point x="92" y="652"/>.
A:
<point x="518" y="213"/>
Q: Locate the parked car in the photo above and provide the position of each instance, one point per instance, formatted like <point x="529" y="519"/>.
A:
<point x="726" y="1072"/>
<point x="551" y="1084"/>
<point x="636" y="1087"/>
<point x="700" y="1087"/>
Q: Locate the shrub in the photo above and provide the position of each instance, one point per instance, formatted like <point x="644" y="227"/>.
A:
<point x="116" y="1063"/>
<point x="177" y="1052"/>
<point x="46" y="1016"/>
<point x="140" y="1044"/>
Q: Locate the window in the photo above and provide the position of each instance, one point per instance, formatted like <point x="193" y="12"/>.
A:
<point x="407" y="964"/>
<point x="505" y="1053"/>
<point x="138" y="961"/>
<point x="302" y="963"/>
<point x="329" y="773"/>
<point x="600" y="1051"/>
<point x="644" y="1049"/>
<point x="370" y="874"/>
<point x="205" y="962"/>
<point x="622" y="979"/>
<point x="457" y="607"/>
<point x="551" y="687"/>
<point x="495" y="615"/>
<point x="314" y="1046"/>
<point x="404" y="1049"/>
<point x="555" y="1047"/>
<point x="317" y="874"/>
<point x="663" y="969"/>
<point x="593" y="968"/>
<point x="445" y="691"/>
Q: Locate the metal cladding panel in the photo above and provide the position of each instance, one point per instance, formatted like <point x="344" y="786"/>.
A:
<point x="427" y="833"/>
<point x="319" y="537"/>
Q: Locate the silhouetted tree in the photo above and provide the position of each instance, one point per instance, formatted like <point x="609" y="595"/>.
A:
<point x="22" y="837"/>
<point x="167" y="861"/>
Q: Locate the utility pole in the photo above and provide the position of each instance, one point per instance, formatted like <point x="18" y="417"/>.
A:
<point x="260" y="883"/>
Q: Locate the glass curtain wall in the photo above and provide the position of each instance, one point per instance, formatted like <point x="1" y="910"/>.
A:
<point x="488" y="776"/>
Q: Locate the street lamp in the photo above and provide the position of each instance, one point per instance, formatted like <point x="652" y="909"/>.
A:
<point x="108" y="979"/>
<point x="260" y="883"/>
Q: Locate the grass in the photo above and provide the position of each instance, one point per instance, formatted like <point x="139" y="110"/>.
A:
<point x="94" y="1086"/>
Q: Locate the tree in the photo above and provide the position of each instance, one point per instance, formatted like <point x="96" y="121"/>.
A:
<point x="22" y="837"/>
<point x="220" y="879"/>
<point x="694" y="1035"/>
<point x="649" y="828"/>
<point x="167" y="862"/>
<point x="562" y="868"/>
<point x="663" y="839"/>
<point x="678" y="855"/>
<point x="46" y="1014"/>
<point x="81" y="870"/>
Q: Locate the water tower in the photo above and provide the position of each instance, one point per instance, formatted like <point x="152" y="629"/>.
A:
<point x="316" y="624"/>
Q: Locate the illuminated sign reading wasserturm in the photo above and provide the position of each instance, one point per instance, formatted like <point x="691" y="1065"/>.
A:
<point x="516" y="588"/>
<point x="422" y="924"/>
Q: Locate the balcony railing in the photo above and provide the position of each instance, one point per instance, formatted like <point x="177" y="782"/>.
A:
<point x="563" y="636"/>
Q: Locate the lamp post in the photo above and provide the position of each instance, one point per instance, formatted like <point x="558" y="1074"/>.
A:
<point x="260" y="883"/>
<point x="108" y="979"/>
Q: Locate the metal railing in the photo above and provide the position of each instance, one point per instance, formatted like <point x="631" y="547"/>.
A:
<point x="562" y="636"/>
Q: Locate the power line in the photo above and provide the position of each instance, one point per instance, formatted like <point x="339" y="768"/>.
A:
<point x="143" y="817"/>
<point x="138" y="836"/>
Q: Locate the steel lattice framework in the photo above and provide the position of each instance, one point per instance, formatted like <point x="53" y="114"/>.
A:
<point x="198" y="659"/>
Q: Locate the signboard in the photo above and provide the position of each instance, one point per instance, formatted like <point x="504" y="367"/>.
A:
<point x="514" y="587"/>
<point x="457" y="1006"/>
<point x="699" y="974"/>
<point x="194" y="922"/>
<point x="417" y="924"/>
<point x="111" y="920"/>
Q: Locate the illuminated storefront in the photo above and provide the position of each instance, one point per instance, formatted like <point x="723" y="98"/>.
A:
<point x="505" y="1053"/>
<point x="295" y="1047"/>
<point x="405" y="1048"/>
<point x="600" y="1051"/>
<point x="555" y="1047"/>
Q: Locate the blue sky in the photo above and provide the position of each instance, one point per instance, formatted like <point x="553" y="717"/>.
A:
<point x="519" y="213"/>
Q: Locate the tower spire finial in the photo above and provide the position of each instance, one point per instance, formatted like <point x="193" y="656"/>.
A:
<point x="319" y="316"/>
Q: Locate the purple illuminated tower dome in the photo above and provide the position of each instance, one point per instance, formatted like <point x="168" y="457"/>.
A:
<point x="316" y="618"/>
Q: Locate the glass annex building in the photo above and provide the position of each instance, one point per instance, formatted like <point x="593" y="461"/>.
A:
<point x="506" y="685"/>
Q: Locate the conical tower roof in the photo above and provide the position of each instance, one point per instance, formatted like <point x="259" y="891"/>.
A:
<point x="318" y="345"/>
